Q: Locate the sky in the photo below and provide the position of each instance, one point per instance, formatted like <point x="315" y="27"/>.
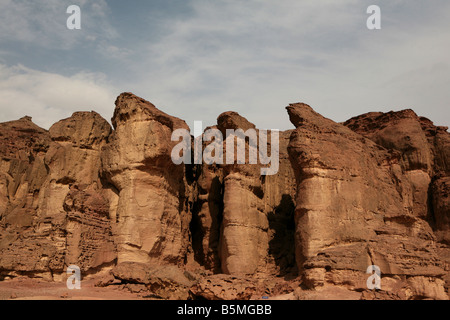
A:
<point x="195" y="59"/>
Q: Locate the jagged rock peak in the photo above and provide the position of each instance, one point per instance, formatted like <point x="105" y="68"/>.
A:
<point x="233" y="120"/>
<point x="83" y="129"/>
<point x="301" y="114"/>
<point x="26" y="118"/>
<point x="20" y="138"/>
<point x="130" y="107"/>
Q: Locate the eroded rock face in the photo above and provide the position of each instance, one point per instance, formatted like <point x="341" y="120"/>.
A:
<point x="152" y="215"/>
<point x="425" y="153"/>
<point x="55" y="209"/>
<point x="244" y="241"/>
<point x="371" y="191"/>
<point x="228" y="287"/>
<point x="23" y="172"/>
<point x="361" y="204"/>
<point x="157" y="281"/>
<point x="441" y="207"/>
<point x="89" y="242"/>
<point x="245" y="218"/>
<point x="207" y="217"/>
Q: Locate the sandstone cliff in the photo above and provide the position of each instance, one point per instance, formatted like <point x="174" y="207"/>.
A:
<point x="54" y="212"/>
<point x="371" y="191"/>
<point x="360" y="203"/>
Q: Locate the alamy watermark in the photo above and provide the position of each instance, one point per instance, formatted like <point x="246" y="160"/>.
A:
<point x="213" y="152"/>
<point x="74" y="281"/>
<point x="374" y="21"/>
<point x="374" y="281"/>
<point x="74" y="20"/>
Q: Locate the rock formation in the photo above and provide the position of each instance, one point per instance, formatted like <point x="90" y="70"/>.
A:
<point x="360" y="203"/>
<point x="151" y="212"/>
<point x="243" y="220"/>
<point x="371" y="191"/>
<point x="54" y="212"/>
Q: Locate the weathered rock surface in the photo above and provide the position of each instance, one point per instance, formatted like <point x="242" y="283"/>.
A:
<point x="372" y="191"/>
<point x="425" y="151"/>
<point x="207" y="217"/>
<point x="23" y="171"/>
<point x="364" y="201"/>
<point x="151" y="218"/>
<point x="55" y="213"/>
<point x="228" y="287"/>
<point x="248" y="218"/>
<point x="159" y="281"/>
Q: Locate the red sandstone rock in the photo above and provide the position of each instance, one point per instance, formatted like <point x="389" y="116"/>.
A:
<point x="46" y="226"/>
<point x="359" y="204"/>
<point x="151" y="217"/>
<point x="254" y="212"/>
<point x="371" y="191"/>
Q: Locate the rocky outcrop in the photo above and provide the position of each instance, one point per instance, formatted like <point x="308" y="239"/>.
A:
<point x="207" y="217"/>
<point x="371" y="191"/>
<point x="155" y="281"/>
<point x="23" y="172"/>
<point x="440" y="202"/>
<point x="228" y="287"/>
<point x="246" y="219"/>
<point x="425" y="151"/>
<point x="55" y="209"/>
<point x="152" y="212"/>
<point x="363" y="201"/>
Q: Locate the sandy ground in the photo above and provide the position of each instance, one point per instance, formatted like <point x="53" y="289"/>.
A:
<point x="24" y="288"/>
<point x="36" y="289"/>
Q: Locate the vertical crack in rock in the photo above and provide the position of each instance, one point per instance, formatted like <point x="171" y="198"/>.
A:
<point x="252" y="206"/>
<point x="55" y="213"/>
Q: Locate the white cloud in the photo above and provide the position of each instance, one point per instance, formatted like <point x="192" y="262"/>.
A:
<point x="255" y="57"/>
<point x="43" y="23"/>
<point x="49" y="97"/>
